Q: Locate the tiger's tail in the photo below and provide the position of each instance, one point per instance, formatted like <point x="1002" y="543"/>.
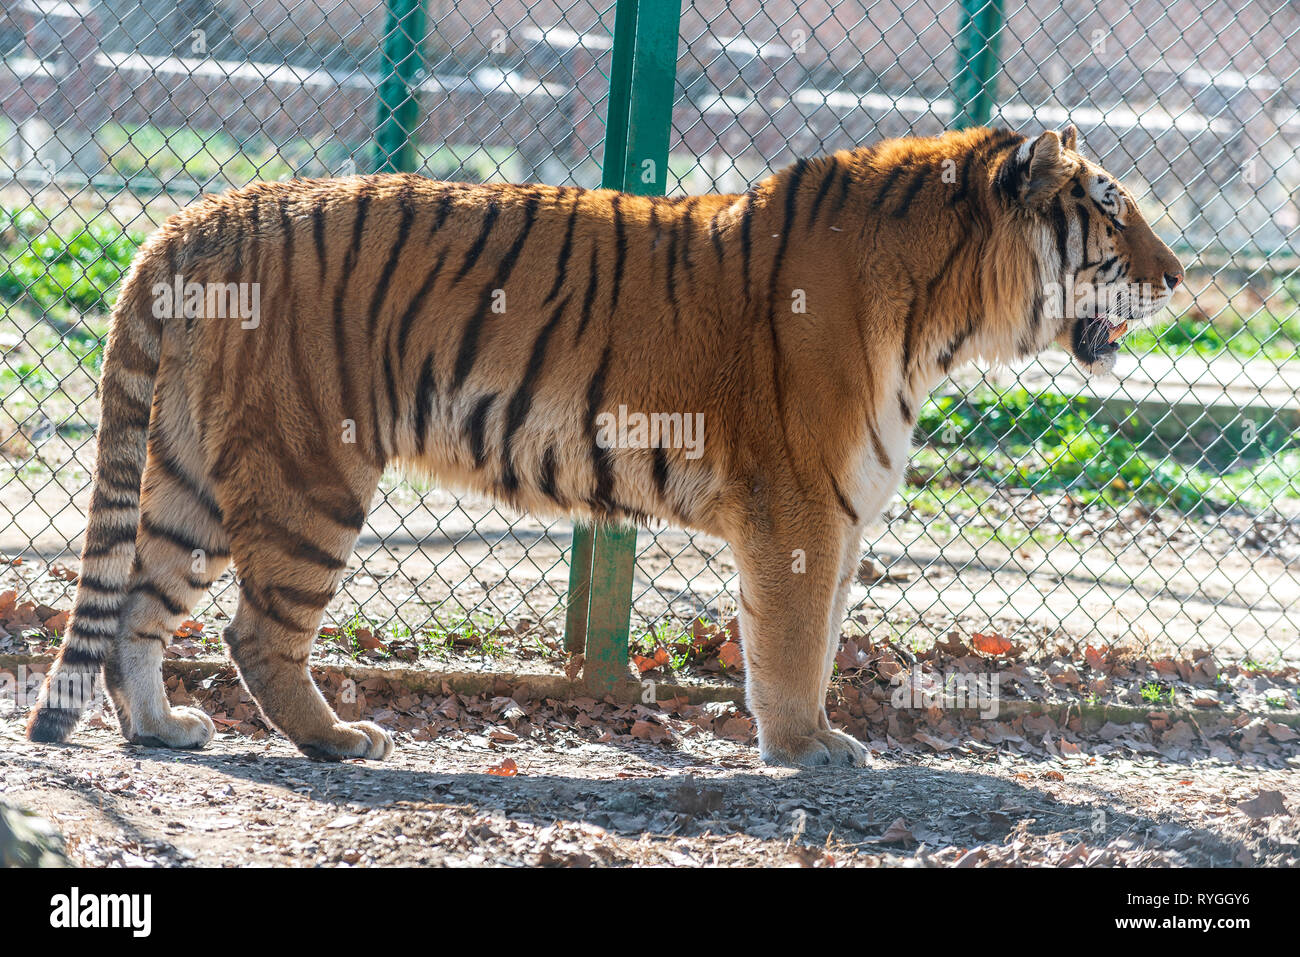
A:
<point x="108" y="556"/>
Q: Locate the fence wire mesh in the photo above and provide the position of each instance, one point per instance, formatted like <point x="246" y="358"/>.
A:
<point x="1162" y="506"/>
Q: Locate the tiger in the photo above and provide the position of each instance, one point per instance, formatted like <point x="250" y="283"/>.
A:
<point x="477" y="333"/>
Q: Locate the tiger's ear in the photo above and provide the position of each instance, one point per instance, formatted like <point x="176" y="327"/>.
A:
<point x="1045" y="169"/>
<point x="1070" y="138"/>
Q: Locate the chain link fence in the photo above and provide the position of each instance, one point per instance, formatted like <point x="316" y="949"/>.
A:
<point x="1162" y="507"/>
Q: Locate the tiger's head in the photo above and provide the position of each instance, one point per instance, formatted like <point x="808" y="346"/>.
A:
<point x="1101" y="267"/>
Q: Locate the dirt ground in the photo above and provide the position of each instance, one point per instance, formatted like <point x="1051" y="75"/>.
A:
<point x="495" y="781"/>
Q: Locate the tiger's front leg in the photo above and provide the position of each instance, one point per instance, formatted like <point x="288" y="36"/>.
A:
<point x="793" y="583"/>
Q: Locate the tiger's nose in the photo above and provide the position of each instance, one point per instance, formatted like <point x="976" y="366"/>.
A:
<point x="1172" y="280"/>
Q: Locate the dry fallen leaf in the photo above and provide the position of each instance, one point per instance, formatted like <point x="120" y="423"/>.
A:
<point x="573" y="667"/>
<point x="939" y="744"/>
<point x="702" y="631"/>
<point x="1096" y="657"/>
<point x="506" y="769"/>
<point x="660" y="658"/>
<point x="888" y="668"/>
<point x="367" y="641"/>
<point x="1263" y="804"/>
<point x="1280" y="732"/>
<point x="952" y="645"/>
<point x="896" y="833"/>
<point x="972" y="858"/>
<point x="731" y="656"/>
<point x="737" y="728"/>
<point x="990" y="644"/>
<point x="649" y="731"/>
<point x="62" y="572"/>
<point x="190" y="628"/>
<point x="23" y="617"/>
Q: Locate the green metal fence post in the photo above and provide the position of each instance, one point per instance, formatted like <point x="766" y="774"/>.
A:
<point x="399" y="109"/>
<point x="642" y="78"/>
<point x="579" y="596"/>
<point x="650" y="117"/>
<point x="613" y="564"/>
<point x="975" y="79"/>
<point x="616" y="116"/>
<point x="619" y="105"/>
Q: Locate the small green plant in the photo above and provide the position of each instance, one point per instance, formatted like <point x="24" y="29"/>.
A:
<point x="646" y="642"/>
<point x="1251" y="663"/>
<point x="348" y="634"/>
<point x="1153" y="692"/>
<point x="697" y="642"/>
<point x="436" y="643"/>
<point x="443" y="641"/>
<point x="490" y="645"/>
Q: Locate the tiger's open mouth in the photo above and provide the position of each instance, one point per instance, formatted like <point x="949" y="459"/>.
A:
<point x="1095" y="337"/>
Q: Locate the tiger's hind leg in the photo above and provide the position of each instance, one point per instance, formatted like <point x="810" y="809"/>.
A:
<point x="290" y="554"/>
<point x="181" y="548"/>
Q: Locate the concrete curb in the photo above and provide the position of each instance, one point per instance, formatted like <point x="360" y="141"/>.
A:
<point x="632" y="691"/>
<point x="424" y="681"/>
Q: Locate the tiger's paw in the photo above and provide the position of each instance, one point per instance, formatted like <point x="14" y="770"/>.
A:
<point x="821" y="748"/>
<point x="360" y="739"/>
<point x="181" y="727"/>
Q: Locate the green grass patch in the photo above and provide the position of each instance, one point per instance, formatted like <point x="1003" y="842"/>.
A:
<point x="59" y="269"/>
<point x="1051" y="443"/>
<point x="1261" y="335"/>
<point x="57" y="281"/>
